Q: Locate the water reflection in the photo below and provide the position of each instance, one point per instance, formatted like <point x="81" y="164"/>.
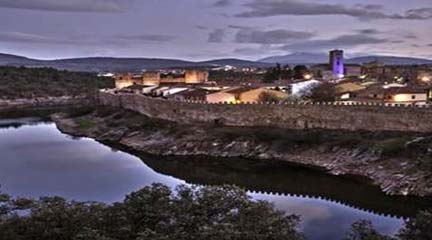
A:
<point x="38" y="160"/>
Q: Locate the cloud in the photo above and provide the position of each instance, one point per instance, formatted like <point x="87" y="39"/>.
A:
<point x="269" y="8"/>
<point x="148" y="38"/>
<point x="369" y="31"/>
<point x="279" y="36"/>
<point x="68" y="5"/>
<point x="201" y="27"/>
<point x="343" y="41"/>
<point x="222" y="3"/>
<point x="251" y="51"/>
<point x="21" y="37"/>
<point x="410" y="36"/>
<point x="217" y="36"/>
<point x="419" y="13"/>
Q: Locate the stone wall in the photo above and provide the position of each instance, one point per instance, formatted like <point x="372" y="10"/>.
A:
<point x="371" y="117"/>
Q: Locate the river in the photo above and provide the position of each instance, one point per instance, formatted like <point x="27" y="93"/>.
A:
<point x="38" y="160"/>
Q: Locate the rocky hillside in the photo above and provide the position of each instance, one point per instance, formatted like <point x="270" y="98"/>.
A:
<point x="399" y="163"/>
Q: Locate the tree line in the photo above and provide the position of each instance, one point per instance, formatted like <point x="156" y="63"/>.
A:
<point x="157" y="212"/>
<point x="22" y="82"/>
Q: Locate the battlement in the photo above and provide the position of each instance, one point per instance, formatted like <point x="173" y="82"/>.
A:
<point x="292" y="115"/>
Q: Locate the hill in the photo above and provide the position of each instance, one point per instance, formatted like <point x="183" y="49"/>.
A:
<point x="297" y="58"/>
<point x="104" y="64"/>
<point x="390" y="60"/>
<point x="315" y="58"/>
<point x="236" y="62"/>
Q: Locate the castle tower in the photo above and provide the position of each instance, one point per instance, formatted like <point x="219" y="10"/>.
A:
<point x="337" y="63"/>
<point x="151" y="78"/>
<point x="123" y="80"/>
<point x="196" y="76"/>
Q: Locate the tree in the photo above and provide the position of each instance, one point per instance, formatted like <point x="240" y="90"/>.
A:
<point x="154" y="212"/>
<point x="277" y="73"/>
<point x="418" y="228"/>
<point x="325" y="92"/>
<point x="268" y="97"/>
<point x="363" y="230"/>
<point x="300" y="71"/>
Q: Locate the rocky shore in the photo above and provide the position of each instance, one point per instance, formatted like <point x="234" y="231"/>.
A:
<point x="400" y="163"/>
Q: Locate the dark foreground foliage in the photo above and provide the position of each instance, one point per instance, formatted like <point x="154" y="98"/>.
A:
<point x="151" y="213"/>
<point x="21" y="82"/>
<point x="418" y="228"/>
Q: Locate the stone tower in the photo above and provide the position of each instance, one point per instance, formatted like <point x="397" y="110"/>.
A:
<point x="196" y="76"/>
<point x="337" y="63"/>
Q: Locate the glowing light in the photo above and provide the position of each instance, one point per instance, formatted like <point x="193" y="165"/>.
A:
<point x="363" y="77"/>
<point x="426" y="79"/>
<point x="307" y="76"/>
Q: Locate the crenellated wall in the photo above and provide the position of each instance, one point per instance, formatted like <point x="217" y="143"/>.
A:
<point x="366" y="116"/>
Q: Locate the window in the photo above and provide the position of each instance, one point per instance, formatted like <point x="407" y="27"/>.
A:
<point x="413" y="97"/>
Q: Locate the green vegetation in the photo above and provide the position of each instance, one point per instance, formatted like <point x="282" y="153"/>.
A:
<point x="269" y="97"/>
<point x="417" y="228"/>
<point x="85" y="123"/>
<point x="325" y="92"/>
<point x="21" y="82"/>
<point x="156" y="212"/>
<point x="278" y="73"/>
<point x="392" y="146"/>
<point x="152" y="213"/>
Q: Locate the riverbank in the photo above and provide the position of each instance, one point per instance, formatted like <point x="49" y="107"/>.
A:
<point x="397" y="162"/>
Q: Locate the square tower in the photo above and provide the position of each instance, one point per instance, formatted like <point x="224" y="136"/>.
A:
<point x="337" y="63"/>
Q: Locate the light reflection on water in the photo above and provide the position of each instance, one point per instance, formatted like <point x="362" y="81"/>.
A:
<point x="37" y="160"/>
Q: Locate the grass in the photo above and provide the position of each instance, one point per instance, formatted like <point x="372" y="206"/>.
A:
<point x="85" y="123"/>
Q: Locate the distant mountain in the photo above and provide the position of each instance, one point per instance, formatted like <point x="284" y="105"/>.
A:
<point x="103" y="64"/>
<point x="236" y="62"/>
<point x="6" y="59"/>
<point x="315" y="58"/>
<point x="389" y="60"/>
<point x="298" y="58"/>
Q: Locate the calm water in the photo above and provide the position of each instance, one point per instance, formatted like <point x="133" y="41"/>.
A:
<point x="36" y="160"/>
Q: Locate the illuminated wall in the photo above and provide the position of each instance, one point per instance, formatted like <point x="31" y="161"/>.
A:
<point x="196" y="76"/>
<point x="410" y="97"/>
<point x="253" y="96"/>
<point x="151" y="78"/>
<point x="221" y="97"/>
<point x="337" y="62"/>
<point x="126" y="80"/>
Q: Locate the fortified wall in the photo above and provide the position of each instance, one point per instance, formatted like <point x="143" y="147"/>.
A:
<point x="155" y="78"/>
<point x="365" y="116"/>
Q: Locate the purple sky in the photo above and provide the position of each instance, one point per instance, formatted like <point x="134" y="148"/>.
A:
<point x="204" y="29"/>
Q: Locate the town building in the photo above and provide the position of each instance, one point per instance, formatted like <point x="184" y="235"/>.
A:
<point x="243" y="95"/>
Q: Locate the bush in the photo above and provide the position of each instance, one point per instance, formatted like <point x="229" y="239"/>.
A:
<point x="390" y="147"/>
<point x="268" y="97"/>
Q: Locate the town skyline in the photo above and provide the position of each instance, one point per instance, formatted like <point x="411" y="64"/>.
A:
<point x="192" y="30"/>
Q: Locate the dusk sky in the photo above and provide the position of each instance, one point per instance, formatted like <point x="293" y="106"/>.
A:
<point x="205" y="29"/>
